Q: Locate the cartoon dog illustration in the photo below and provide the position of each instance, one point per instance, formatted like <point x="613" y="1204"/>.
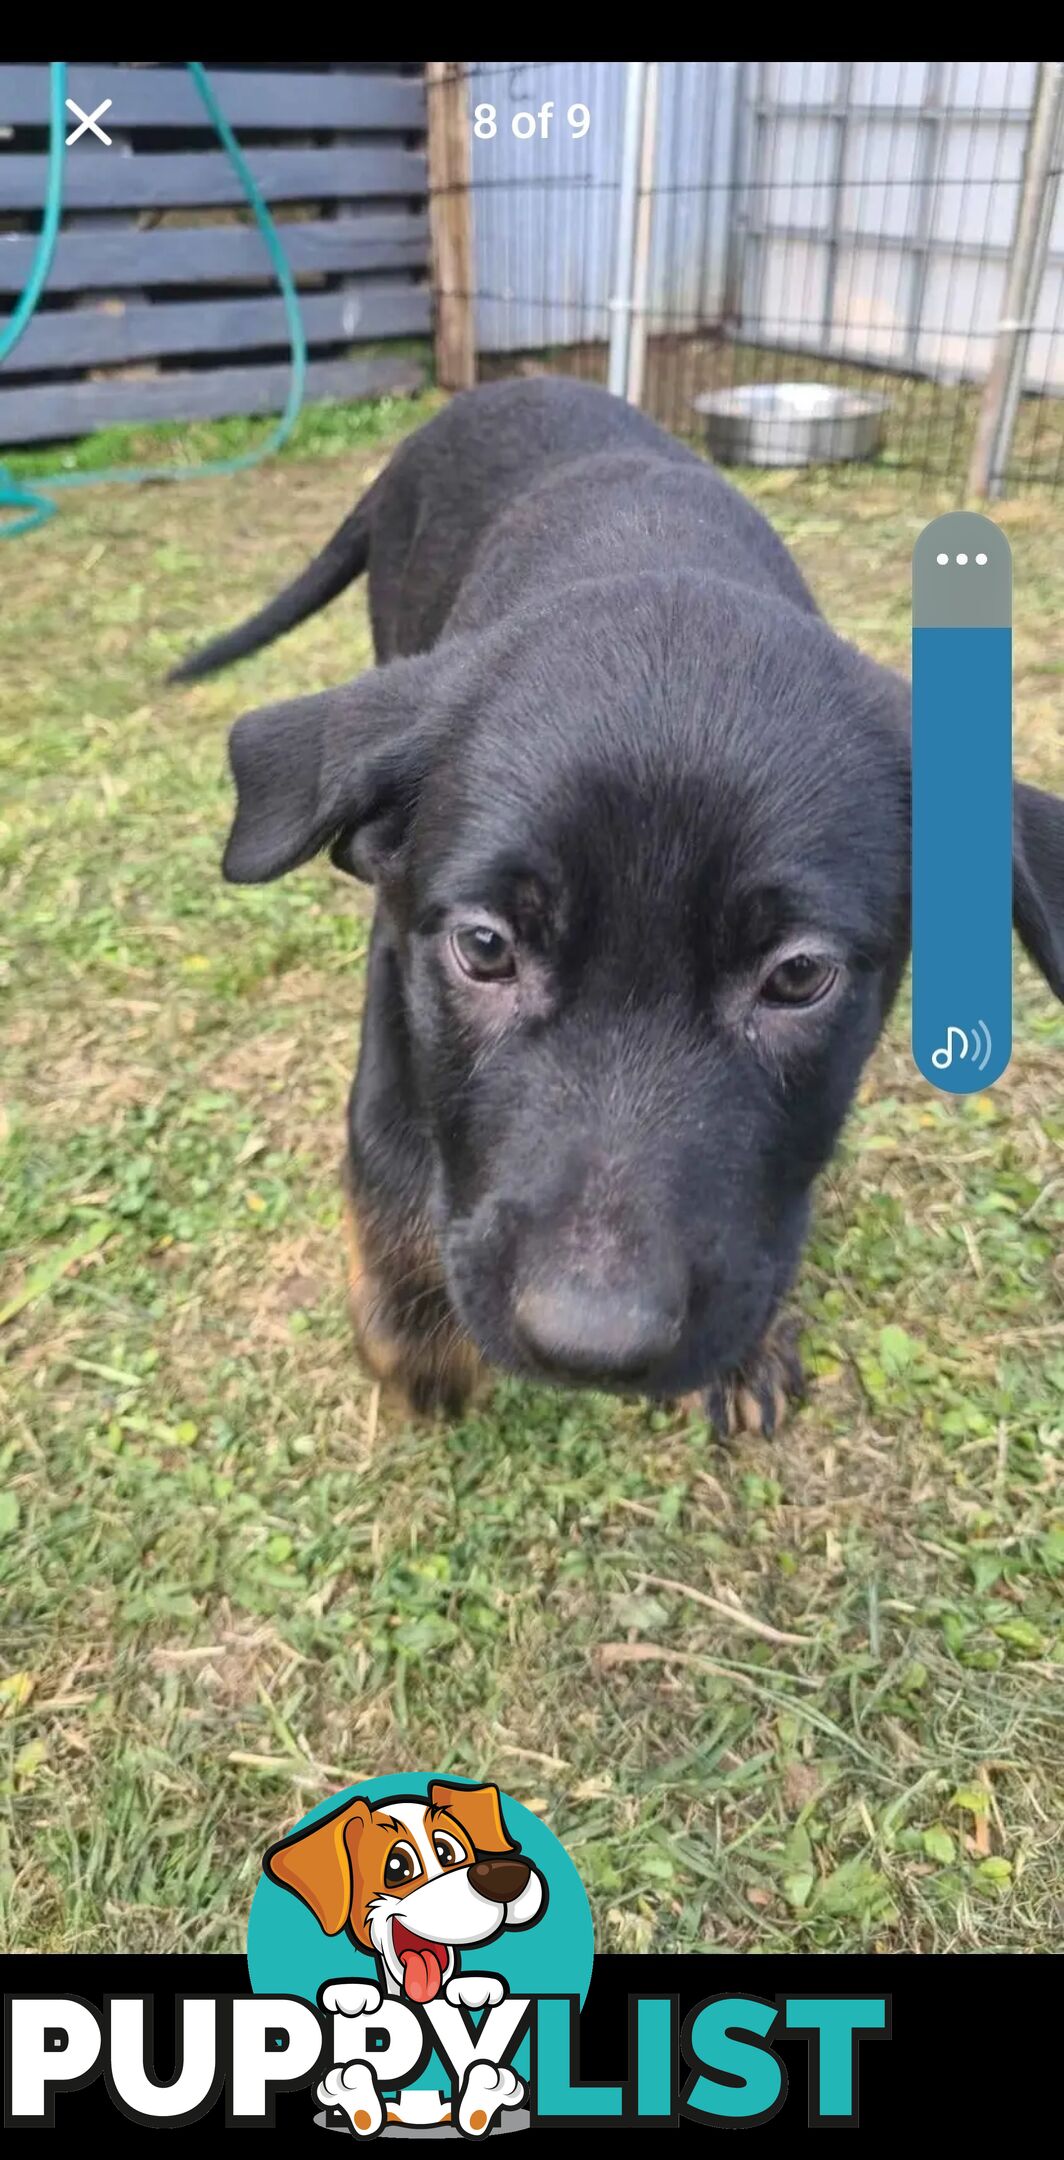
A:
<point x="415" y="1883"/>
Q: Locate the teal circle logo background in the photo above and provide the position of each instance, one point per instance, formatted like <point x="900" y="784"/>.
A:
<point x="288" y="1954"/>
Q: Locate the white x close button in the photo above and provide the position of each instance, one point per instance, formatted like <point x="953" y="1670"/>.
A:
<point x="88" y="120"/>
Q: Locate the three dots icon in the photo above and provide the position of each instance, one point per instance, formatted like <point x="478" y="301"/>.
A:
<point x="942" y="560"/>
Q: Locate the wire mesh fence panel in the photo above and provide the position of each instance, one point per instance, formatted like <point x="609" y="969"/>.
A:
<point x="881" y="202"/>
<point x="848" y="224"/>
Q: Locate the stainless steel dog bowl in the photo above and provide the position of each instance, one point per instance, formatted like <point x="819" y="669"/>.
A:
<point x="791" y="423"/>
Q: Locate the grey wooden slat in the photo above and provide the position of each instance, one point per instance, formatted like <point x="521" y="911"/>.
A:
<point x="94" y="337"/>
<point x="161" y="97"/>
<point x="58" y="410"/>
<point x="219" y="254"/>
<point x="99" y="179"/>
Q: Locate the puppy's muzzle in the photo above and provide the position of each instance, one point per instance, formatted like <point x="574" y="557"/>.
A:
<point x="585" y="1333"/>
<point x="500" y="1880"/>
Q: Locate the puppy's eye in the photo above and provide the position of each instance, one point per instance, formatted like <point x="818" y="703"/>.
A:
<point x="446" y="1850"/>
<point x="802" y="980"/>
<point x="401" y="1865"/>
<point x="483" y="953"/>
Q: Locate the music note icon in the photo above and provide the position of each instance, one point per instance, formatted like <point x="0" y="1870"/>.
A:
<point x="942" y="1059"/>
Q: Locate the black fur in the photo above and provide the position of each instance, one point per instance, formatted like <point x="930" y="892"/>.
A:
<point x="613" y="725"/>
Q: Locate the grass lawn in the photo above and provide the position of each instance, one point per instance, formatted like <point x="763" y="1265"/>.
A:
<point x="802" y="1695"/>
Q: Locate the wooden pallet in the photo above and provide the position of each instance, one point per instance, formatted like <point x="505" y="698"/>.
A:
<point x="162" y="301"/>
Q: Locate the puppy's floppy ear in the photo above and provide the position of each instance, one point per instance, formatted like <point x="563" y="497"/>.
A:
<point x="477" y="1809"/>
<point x="318" y="1864"/>
<point x="1038" y="879"/>
<point x="343" y="766"/>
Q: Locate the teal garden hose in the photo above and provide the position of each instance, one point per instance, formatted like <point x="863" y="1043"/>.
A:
<point x="32" y="499"/>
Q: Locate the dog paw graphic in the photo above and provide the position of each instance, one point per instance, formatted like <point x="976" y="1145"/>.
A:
<point x="475" y="1991"/>
<point x="352" y="2088"/>
<point x="487" y="2088"/>
<point x="351" y="1998"/>
<point x="757" y="1397"/>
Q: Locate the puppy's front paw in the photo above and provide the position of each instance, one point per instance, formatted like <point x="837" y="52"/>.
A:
<point x="351" y="1998"/>
<point x="757" y="1397"/>
<point x="475" y="1991"/>
<point x="352" y="2088"/>
<point x="488" y="2088"/>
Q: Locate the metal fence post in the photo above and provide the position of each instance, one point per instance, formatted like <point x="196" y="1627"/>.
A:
<point x="738" y="209"/>
<point x="624" y="261"/>
<point x="1001" y="396"/>
<point x="637" y="336"/>
<point x="928" y="156"/>
<point x="840" y="124"/>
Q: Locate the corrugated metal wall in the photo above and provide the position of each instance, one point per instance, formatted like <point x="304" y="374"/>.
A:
<point x="545" y="209"/>
<point x="877" y="204"/>
<point x="862" y="210"/>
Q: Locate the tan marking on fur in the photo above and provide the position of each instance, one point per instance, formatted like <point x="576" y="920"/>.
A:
<point x="380" y="1351"/>
<point x="403" y="1321"/>
<point x="748" y="1411"/>
<point x="772" y="1364"/>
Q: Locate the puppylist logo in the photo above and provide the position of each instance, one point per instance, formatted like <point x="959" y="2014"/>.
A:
<point x="420" y="1950"/>
<point x="427" y="1915"/>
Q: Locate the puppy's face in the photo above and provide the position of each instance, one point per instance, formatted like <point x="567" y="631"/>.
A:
<point x="644" y="866"/>
<point x="415" y="1881"/>
<point x="650" y="919"/>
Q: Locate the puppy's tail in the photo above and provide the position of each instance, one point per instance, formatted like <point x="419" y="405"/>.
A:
<point x="341" y="560"/>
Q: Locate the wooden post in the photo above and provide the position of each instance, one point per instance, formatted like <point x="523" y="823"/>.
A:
<point x="451" y="223"/>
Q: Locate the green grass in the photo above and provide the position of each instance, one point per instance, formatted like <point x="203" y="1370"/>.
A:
<point x="231" y="1586"/>
<point x="321" y="430"/>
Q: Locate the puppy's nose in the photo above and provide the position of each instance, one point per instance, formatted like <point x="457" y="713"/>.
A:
<point x="500" y="1880"/>
<point x="595" y="1333"/>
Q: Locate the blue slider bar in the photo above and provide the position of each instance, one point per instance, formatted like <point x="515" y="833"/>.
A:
<point x="962" y="803"/>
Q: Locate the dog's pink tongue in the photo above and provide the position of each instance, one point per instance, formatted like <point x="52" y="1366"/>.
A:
<point x="422" y="1974"/>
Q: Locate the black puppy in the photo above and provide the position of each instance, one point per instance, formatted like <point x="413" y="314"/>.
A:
<point x="639" y="826"/>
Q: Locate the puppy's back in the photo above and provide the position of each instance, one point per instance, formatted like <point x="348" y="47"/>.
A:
<point x="562" y="465"/>
<point x="543" y="481"/>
